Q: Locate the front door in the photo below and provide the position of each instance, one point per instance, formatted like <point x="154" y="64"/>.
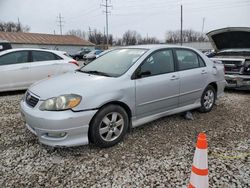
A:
<point x="157" y="84"/>
<point x="14" y="71"/>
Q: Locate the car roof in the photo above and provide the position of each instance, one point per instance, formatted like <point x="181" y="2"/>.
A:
<point x="38" y="49"/>
<point x="155" y="46"/>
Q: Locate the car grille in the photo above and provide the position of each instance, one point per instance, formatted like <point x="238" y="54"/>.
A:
<point x="31" y="100"/>
<point x="232" y="66"/>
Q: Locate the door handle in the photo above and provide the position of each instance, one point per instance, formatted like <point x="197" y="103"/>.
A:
<point x="203" y="72"/>
<point x="174" y="77"/>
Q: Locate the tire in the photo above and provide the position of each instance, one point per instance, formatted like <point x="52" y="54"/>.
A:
<point x="109" y="126"/>
<point x="207" y="99"/>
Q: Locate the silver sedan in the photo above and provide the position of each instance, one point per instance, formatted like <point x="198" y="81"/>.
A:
<point x="122" y="89"/>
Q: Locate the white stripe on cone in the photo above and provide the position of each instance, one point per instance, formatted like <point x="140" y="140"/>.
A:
<point x="200" y="158"/>
<point x="199" y="181"/>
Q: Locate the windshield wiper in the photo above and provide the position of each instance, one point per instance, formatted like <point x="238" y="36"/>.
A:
<point x="96" y="73"/>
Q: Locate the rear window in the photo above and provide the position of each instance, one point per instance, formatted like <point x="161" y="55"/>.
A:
<point x="44" y="56"/>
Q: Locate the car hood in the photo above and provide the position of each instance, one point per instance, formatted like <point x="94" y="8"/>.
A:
<point x="69" y="83"/>
<point x="230" y="38"/>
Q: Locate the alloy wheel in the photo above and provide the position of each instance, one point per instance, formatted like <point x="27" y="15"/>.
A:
<point x="208" y="99"/>
<point x="111" y="126"/>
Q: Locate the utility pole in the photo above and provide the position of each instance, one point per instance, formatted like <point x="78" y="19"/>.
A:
<point x="19" y="24"/>
<point x="60" y="21"/>
<point x="103" y="36"/>
<point x="94" y="35"/>
<point x="89" y="31"/>
<point x="181" y="24"/>
<point x="203" y="22"/>
<point x="106" y="5"/>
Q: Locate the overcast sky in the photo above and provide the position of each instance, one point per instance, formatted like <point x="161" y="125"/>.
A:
<point x="152" y="17"/>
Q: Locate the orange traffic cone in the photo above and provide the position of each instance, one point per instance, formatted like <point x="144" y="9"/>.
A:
<point x="199" y="174"/>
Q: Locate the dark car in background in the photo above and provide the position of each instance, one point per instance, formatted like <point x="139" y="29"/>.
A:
<point x="79" y="55"/>
<point x="4" y="45"/>
<point x="232" y="48"/>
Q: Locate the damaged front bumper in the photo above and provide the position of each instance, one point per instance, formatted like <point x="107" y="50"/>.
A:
<point x="238" y="81"/>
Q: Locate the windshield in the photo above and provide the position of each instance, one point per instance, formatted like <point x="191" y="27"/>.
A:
<point x="115" y="63"/>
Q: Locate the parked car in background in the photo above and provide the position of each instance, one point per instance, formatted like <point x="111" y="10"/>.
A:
<point x="79" y="55"/>
<point x="124" y="88"/>
<point x="91" y="55"/>
<point x="232" y="48"/>
<point x="4" y="45"/>
<point x="19" y="68"/>
<point x="102" y="53"/>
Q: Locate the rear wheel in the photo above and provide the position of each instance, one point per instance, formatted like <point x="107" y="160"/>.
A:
<point x="207" y="99"/>
<point x="109" y="126"/>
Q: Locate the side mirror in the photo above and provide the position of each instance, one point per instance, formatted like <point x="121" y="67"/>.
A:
<point x="143" y="74"/>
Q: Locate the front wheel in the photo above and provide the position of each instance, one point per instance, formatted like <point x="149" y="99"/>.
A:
<point x="207" y="99"/>
<point x="109" y="126"/>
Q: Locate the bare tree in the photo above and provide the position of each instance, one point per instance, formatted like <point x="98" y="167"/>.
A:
<point x="99" y="38"/>
<point x="77" y="32"/>
<point x="149" y="40"/>
<point x="13" y="27"/>
<point x="188" y="36"/>
<point x="131" y="38"/>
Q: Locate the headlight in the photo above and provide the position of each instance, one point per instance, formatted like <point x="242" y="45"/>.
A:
<point x="63" y="102"/>
<point x="247" y="66"/>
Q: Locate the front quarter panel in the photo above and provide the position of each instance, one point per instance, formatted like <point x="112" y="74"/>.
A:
<point x="120" y="90"/>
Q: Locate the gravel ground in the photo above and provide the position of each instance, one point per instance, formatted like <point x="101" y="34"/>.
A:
<point x="158" y="154"/>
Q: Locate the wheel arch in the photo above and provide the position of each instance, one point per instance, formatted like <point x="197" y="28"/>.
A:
<point x="119" y="103"/>
<point x="215" y="86"/>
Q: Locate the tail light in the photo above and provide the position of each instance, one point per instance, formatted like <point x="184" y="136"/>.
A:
<point x="74" y="62"/>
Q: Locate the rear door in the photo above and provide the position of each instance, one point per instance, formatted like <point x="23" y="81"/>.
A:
<point x="14" y="70"/>
<point x="44" y="64"/>
<point x="157" y="84"/>
<point x="193" y="76"/>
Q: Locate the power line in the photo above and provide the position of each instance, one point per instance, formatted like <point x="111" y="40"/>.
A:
<point x="60" y="21"/>
<point x="138" y="9"/>
<point x="106" y="11"/>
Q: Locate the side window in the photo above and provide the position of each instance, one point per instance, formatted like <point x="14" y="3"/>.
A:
<point x="43" y="56"/>
<point x="158" y="63"/>
<point x="187" y="59"/>
<point x="201" y="62"/>
<point x="14" y="58"/>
